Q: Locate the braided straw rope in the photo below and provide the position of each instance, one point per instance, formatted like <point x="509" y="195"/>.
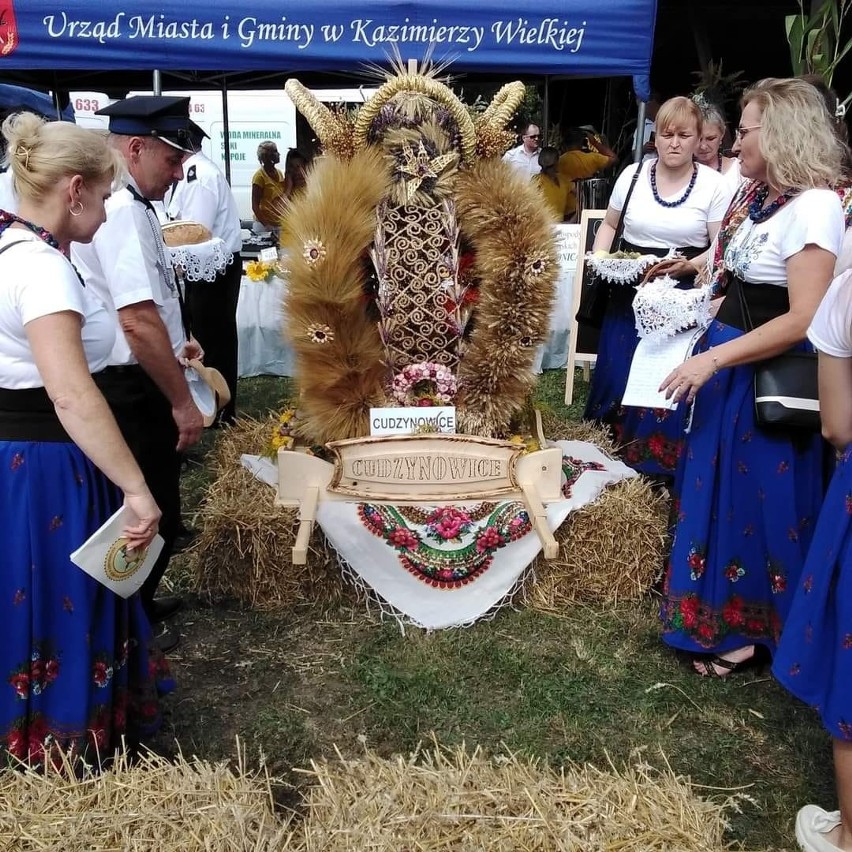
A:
<point x="504" y="105"/>
<point x="334" y="130"/>
<point x="422" y="85"/>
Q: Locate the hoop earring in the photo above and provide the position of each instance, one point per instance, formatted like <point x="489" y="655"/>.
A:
<point x="74" y="212"/>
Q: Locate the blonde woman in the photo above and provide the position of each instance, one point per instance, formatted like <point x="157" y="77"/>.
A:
<point x="709" y="151"/>
<point x="747" y="498"/>
<point x="675" y="203"/>
<point x="75" y="656"/>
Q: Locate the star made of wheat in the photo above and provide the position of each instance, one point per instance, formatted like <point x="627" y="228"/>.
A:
<point x="419" y="166"/>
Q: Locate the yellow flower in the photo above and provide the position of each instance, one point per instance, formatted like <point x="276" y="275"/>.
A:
<point x="258" y="270"/>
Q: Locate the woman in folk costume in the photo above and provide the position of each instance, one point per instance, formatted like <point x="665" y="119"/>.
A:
<point x="76" y="669"/>
<point x="814" y="658"/>
<point x="675" y="203"/>
<point x="747" y="498"/>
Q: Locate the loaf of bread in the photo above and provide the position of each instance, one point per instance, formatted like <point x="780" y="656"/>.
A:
<point x="185" y="233"/>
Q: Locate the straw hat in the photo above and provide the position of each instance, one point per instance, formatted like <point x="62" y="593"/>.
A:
<point x="208" y="388"/>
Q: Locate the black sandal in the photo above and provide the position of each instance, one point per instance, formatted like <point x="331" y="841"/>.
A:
<point x="757" y="660"/>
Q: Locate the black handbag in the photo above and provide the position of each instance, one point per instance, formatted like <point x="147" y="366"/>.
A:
<point x="786" y="387"/>
<point x="594" y="296"/>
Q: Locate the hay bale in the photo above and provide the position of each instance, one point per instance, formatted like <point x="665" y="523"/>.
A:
<point x="243" y="550"/>
<point x="609" y="551"/>
<point x="557" y="429"/>
<point x="153" y="804"/>
<point x="612" y="549"/>
<point x="453" y="800"/>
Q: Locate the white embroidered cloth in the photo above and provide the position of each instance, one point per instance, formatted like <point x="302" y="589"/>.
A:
<point x="662" y="310"/>
<point x="439" y="566"/>
<point x="621" y="270"/>
<point x="202" y="261"/>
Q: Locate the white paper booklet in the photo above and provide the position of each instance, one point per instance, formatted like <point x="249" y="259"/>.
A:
<point x="652" y="362"/>
<point x="104" y="556"/>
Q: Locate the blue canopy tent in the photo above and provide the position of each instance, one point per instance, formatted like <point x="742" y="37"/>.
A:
<point x="576" y="37"/>
<point x="17" y="97"/>
<point x="87" y="44"/>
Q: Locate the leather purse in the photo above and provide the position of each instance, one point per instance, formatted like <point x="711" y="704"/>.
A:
<point x="786" y="387"/>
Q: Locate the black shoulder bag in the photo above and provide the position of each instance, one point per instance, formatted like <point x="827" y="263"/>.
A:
<point x="594" y="297"/>
<point x="786" y="387"/>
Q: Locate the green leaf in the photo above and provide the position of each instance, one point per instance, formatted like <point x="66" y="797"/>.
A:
<point x="795" y="38"/>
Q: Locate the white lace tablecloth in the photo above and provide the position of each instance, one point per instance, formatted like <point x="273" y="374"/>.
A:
<point x="202" y="261"/>
<point x="262" y="349"/>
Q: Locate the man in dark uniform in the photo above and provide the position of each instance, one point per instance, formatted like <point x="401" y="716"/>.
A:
<point x="204" y="196"/>
<point x="129" y="268"/>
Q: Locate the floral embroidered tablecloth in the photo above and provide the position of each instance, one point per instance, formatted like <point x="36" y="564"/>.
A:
<point x="439" y="566"/>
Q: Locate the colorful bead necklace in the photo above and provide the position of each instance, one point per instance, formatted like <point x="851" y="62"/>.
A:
<point x="7" y="219"/>
<point x="679" y="200"/>
<point x="758" y="213"/>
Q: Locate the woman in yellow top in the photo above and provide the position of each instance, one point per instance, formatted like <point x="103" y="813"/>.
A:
<point x="554" y="187"/>
<point x="267" y="187"/>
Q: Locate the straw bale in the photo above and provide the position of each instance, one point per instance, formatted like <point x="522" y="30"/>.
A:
<point x="610" y="550"/>
<point x="153" y="804"/>
<point x="244" y="547"/>
<point x="461" y="801"/>
<point x="557" y="429"/>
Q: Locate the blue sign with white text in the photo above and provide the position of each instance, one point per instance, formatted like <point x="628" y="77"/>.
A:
<point x="576" y="37"/>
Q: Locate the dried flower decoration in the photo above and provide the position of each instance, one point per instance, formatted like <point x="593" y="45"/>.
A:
<point x="318" y="333"/>
<point x="535" y="266"/>
<point x="314" y="252"/>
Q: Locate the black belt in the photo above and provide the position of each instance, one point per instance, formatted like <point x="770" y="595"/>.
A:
<point x="28" y="414"/>
<point x="765" y="302"/>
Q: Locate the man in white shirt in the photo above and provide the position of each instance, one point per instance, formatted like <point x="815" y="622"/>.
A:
<point x="204" y="196"/>
<point x="129" y="269"/>
<point x="524" y="158"/>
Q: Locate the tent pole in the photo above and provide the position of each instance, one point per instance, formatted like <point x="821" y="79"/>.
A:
<point x="227" y="138"/>
<point x="640" y="133"/>
<point x="545" y="108"/>
<point x="158" y="83"/>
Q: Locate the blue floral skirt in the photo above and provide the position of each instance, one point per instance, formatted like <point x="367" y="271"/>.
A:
<point x="746" y="501"/>
<point x="814" y="659"/>
<point x="651" y="440"/>
<point x="76" y="668"/>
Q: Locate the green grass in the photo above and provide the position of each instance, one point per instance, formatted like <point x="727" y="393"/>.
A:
<point x="596" y="685"/>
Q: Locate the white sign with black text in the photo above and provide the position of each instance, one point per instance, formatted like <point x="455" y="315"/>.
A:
<point x="413" y="420"/>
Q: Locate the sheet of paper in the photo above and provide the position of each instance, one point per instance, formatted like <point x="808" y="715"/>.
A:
<point x="652" y="362"/>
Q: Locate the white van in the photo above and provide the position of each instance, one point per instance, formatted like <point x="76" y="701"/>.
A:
<point x="253" y="117"/>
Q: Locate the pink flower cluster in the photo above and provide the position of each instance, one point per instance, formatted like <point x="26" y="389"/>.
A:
<point x="424" y="384"/>
<point x="447" y="523"/>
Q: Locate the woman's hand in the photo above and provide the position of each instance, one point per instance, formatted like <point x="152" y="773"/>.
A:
<point x="689" y="377"/>
<point x="147" y="515"/>
<point x="192" y="351"/>
<point x="673" y="267"/>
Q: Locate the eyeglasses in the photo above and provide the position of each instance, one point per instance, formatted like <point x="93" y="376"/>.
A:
<point x="533" y="136"/>
<point x="742" y="132"/>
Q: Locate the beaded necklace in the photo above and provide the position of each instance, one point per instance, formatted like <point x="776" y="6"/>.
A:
<point x="758" y="213"/>
<point x="719" y="166"/>
<point x="7" y="219"/>
<point x="679" y="200"/>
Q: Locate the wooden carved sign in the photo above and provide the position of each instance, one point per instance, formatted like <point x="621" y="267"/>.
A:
<point x="414" y="467"/>
<point x="420" y="468"/>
